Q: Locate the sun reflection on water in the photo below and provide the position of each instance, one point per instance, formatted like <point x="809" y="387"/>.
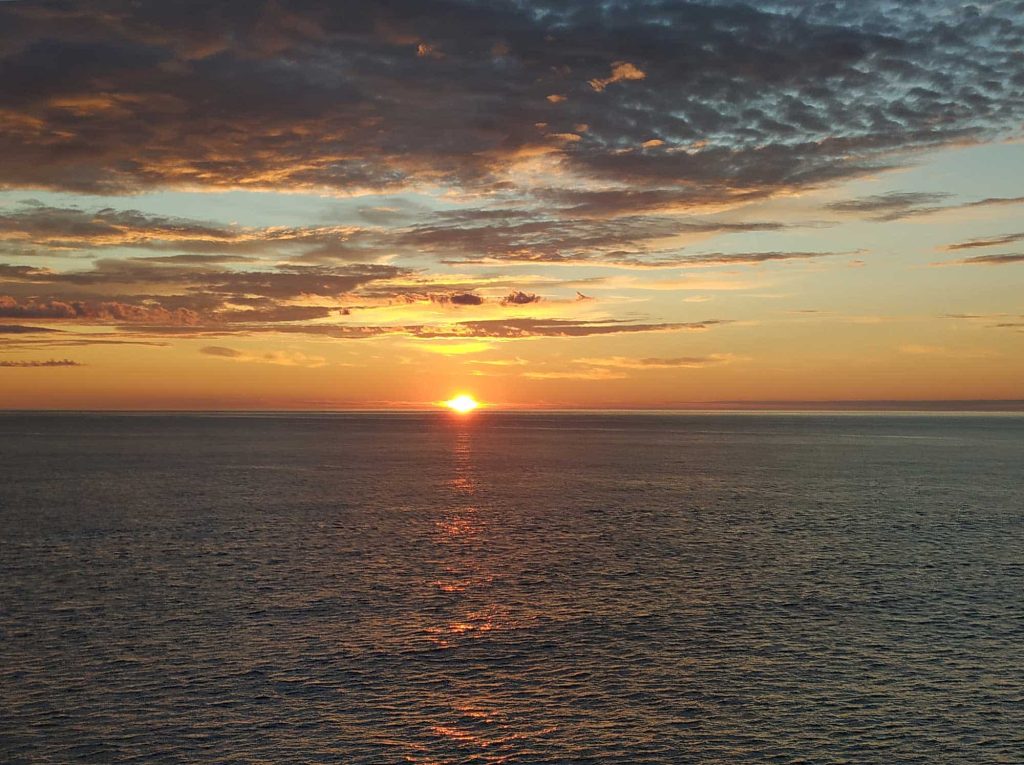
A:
<point x="468" y="610"/>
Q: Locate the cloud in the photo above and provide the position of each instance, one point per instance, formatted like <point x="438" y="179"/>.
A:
<point x="563" y="238"/>
<point x="621" y="71"/>
<point x="499" y="329"/>
<point x="32" y="228"/>
<point x="649" y="262"/>
<point x="20" y="329"/>
<point x="518" y="297"/>
<point x="176" y="294"/>
<point x="96" y="311"/>
<point x="217" y="350"/>
<point x="990" y="241"/>
<point x="733" y="259"/>
<point x="525" y="328"/>
<point x="987" y="260"/>
<point x="391" y="95"/>
<point x="899" y="205"/>
<point x="891" y="206"/>
<point x="459" y="298"/>
<point x="280" y="358"/>
<point x="505" y="136"/>
<point x="678" y="362"/>
<point x="38" y="364"/>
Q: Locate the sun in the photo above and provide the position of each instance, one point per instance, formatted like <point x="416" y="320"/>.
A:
<point x="463" y="404"/>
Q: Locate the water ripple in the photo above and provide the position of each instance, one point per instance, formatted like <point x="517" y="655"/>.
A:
<point x="512" y="590"/>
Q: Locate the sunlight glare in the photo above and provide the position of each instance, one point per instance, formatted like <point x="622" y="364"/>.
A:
<point x="462" y="404"/>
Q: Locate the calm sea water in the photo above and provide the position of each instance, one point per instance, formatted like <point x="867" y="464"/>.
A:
<point x="512" y="589"/>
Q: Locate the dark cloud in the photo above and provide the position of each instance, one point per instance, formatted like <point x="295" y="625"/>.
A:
<point x="281" y="282"/>
<point x="173" y="294"/>
<point x="37" y="364"/>
<point x="467" y="236"/>
<point x="573" y="202"/>
<point x="619" y="259"/>
<point x="890" y="206"/>
<point x="899" y="205"/>
<point x="518" y="297"/>
<point x="994" y="202"/>
<point x="107" y="311"/>
<point x="19" y="273"/>
<point x="296" y="281"/>
<point x="32" y="228"/>
<point x="989" y="260"/>
<point x="196" y="260"/>
<point x="488" y="328"/>
<point x="458" y="298"/>
<point x="726" y="259"/>
<point x="21" y="329"/>
<point x="486" y="237"/>
<point x="989" y="241"/>
<point x="715" y="97"/>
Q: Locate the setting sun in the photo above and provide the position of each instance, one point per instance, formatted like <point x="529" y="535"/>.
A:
<point x="462" y="404"/>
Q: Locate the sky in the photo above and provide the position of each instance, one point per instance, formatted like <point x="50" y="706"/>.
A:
<point x="562" y="204"/>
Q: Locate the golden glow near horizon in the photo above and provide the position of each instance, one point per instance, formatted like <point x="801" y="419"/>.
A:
<point x="463" y="403"/>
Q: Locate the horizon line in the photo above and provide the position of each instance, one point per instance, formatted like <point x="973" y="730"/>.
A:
<point x="991" y="406"/>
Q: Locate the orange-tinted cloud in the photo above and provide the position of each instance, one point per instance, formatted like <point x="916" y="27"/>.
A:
<point x="621" y="71"/>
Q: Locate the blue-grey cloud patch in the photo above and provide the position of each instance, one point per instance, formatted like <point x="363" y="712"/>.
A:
<point x="712" y="97"/>
<point x="899" y="205"/>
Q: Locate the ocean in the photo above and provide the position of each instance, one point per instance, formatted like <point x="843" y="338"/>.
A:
<point x="512" y="588"/>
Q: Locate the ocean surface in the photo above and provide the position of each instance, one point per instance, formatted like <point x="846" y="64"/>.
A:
<point x="508" y="588"/>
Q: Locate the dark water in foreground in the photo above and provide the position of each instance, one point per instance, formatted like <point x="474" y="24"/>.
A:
<point x="520" y="589"/>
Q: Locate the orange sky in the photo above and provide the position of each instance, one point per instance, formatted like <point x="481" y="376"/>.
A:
<point x="379" y="210"/>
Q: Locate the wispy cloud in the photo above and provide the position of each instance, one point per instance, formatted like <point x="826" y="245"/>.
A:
<point x="988" y="241"/>
<point x="1002" y="259"/>
<point x="678" y="362"/>
<point x="280" y="358"/>
<point x="577" y="374"/>
<point x="39" y="364"/>
<point x="899" y="205"/>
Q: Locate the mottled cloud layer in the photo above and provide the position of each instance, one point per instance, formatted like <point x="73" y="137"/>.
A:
<point x="673" y="97"/>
